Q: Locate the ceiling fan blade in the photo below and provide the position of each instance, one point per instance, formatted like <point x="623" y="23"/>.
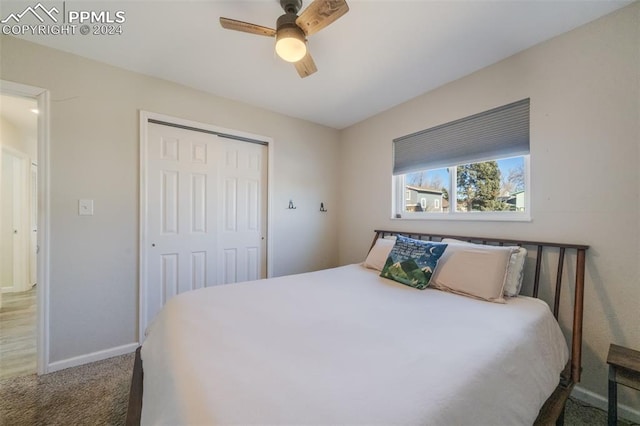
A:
<point x="306" y="66"/>
<point x="321" y="13"/>
<point x="246" y="27"/>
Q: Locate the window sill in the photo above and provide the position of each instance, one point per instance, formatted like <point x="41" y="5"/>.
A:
<point x="469" y="217"/>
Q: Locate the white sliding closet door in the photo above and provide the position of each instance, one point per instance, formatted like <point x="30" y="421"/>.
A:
<point x="242" y="212"/>
<point x="206" y="213"/>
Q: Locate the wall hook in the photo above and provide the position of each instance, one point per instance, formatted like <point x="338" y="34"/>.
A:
<point x="291" y="206"/>
<point x="322" y="209"/>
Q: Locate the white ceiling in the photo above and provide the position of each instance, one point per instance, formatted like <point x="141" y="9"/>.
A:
<point x="378" y="55"/>
<point x="18" y="111"/>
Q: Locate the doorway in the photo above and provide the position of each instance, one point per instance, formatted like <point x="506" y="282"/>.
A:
<point x="203" y="209"/>
<point x="18" y="221"/>
<point x="24" y="229"/>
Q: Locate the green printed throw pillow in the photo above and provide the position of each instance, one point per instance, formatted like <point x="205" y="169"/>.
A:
<point x="412" y="262"/>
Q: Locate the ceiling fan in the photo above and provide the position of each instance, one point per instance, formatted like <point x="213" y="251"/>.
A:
<point x="292" y="30"/>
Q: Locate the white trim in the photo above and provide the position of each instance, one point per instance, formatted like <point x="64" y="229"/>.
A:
<point x="92" y="357"/>
<point x="44" y="212"/>
<point x="527" y="185"/>
<point x="270" y="183"/>
<point x="142" y="258"/>
<point x="601" y="402"/>
<point x="145" y="116"/>
<point x="467" y="216"/>
<point x="19" y="89"/>
<point x="453" y="191"/>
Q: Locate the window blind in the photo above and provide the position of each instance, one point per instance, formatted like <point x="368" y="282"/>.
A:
<point x="498" y="132"/>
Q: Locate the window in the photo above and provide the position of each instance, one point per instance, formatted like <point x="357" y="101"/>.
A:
<point x="489" y="186"/>
<point x="473" y="168"/>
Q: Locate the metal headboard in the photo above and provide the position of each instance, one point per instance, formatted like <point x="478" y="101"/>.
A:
<point x="575" y="365"/>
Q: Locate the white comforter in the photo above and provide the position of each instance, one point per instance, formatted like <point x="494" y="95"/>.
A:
<point x="344" y="346"/>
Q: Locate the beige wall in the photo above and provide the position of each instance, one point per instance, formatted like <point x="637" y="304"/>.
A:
<point x="95" y="154"/>
<point x="585" y="134"/>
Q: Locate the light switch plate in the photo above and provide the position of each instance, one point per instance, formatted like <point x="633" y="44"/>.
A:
<point x="85" y="207"/>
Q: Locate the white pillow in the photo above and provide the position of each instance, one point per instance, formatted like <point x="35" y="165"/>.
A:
<point x="474" y="270"/>
<point x="377" y="257"/>
<point x="515" y="270"/>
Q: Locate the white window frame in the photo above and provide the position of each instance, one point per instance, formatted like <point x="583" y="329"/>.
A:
<point x="398" y="188"/>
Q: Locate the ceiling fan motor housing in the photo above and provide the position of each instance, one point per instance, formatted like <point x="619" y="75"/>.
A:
<point x="286" y="21"/>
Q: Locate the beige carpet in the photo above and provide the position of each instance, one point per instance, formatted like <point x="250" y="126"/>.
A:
<point x="92" y="394"/>
<point x="97" y="394"/>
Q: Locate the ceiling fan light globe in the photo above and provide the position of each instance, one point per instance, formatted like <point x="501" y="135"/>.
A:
<point x="290" y="44"/>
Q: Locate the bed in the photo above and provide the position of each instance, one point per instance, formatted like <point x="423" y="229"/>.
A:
<point x="347" y="346"/>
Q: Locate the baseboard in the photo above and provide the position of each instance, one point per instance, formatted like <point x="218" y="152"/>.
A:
<point x="92" y="357"/>
<point x="601" y="402"/>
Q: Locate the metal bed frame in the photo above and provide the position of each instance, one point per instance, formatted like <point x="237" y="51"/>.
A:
<point x="553" y="409"/>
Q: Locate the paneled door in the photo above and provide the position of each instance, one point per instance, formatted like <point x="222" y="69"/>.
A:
<point x="14" y="228"/>
<point x="242" y="211"/>
<point x="206" y="213"/>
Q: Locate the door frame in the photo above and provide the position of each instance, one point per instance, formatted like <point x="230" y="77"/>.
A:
<point x="42" y="96"/>
<point x="33" y="208"/>
<point x="145" y="116"/>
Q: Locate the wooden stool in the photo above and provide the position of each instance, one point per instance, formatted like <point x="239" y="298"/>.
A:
<point x="624" y="369"/>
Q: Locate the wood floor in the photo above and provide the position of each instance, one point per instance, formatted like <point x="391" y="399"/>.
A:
<point x="18" y="334"/>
